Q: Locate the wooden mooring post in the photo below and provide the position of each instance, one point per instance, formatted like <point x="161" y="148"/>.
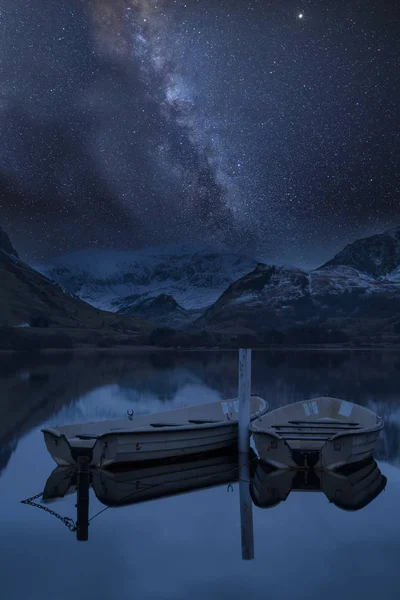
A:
<point x="246" y="504"/>
<point x="244" y="399"/>
<point x="82" y="496"/>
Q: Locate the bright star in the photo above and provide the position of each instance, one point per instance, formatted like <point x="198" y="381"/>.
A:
<point x="301" y="16"/>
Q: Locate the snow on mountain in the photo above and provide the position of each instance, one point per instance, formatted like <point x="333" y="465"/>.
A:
<point x="170" y="284"/>
<point x="377" y="255"/>
<point x="116" y="280"/>
<point x="277" y="297"/>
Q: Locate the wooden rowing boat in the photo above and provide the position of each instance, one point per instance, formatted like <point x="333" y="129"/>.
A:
<point x="323" y="433"/>
<point x="152" y="437"/>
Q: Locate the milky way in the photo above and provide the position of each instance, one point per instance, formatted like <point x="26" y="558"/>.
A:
<point x="265" y="127"/>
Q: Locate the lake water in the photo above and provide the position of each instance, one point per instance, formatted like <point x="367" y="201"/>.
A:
<point x="189" y="545"/>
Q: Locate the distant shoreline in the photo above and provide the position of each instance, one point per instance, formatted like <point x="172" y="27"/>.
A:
<point x="127" y="350"/>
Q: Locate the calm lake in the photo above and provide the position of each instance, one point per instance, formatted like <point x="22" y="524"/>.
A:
<point x="189" y="545"/>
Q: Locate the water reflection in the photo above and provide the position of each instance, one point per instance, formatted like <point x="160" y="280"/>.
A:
<point x="192" y="541"/>
<point x="350" y="488"/>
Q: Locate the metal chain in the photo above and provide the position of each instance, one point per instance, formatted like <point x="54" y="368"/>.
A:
<point x="68" y="522"/>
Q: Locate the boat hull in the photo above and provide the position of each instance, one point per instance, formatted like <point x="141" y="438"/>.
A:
<point x="155" y="446"/>
<point x="333" y="454"/>
<point x="176" y="434"/>
<point x="142" y="446"/>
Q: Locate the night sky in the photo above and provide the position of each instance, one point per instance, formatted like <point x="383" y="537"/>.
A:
<point x="269" y="128"/>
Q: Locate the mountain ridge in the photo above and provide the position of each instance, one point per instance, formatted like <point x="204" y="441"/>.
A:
<point x="28" y="298"/>
<point x="194" y="276"/>
<point x="202" y="290"/>
<point x="6" y="245"/>
<point x="377" y="255"/>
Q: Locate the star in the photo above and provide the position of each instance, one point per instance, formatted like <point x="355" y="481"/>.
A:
<point x="160" y="114"/>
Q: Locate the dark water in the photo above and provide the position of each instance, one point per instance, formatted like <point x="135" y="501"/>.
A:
<point x="189" y="546"/>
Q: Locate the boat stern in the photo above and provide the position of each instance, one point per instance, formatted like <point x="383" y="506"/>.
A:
<point x="58" y="447"/>
<point x="347" y="449"/>
<point x="274" y="451"/>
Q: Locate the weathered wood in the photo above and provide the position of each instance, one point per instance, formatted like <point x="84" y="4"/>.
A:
<point x="244" y="399"/>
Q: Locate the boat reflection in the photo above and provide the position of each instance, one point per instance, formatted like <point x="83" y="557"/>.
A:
<point x="351" y="488"/>
<point x="140" y="484"/>
<point x="135" y="484"/>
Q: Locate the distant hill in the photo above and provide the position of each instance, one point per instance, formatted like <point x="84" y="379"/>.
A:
<point x="29" y="298"/>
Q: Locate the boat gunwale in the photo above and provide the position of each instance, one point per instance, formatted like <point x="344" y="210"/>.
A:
<point x="254" y="428"/>
<point x="257" y="427"/>
<point x="168" y="428"/>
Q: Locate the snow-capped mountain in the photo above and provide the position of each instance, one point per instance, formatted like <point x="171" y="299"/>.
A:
<point x="377" y="255"/>
<point x="199" y="288"/>
<point x="279" y="297"/>
<point x="118" y="280"/>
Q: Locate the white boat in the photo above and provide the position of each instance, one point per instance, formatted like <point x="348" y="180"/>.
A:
<point x="173" y="434"/>
<point x="351" y="488"/>
<point x="323" y="433"/>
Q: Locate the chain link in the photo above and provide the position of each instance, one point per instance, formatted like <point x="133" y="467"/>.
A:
<point x="68" y="522"/>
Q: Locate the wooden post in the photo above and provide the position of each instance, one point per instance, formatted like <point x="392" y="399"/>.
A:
<point x="246" y="508"/>
<point x="82" y="505"/>
<point x="244" y="399"/>
<point x="246" y="504"/>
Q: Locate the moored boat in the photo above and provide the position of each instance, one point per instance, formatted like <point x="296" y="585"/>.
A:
<point x="323" y="433"/>
<point x="169" y="435"/>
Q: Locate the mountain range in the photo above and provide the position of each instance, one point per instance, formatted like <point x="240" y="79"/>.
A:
<point x="203" y="292"/>
<point x="116" y="280"/>
<point x="358" y="290"/>
<point x="200" y="289"/>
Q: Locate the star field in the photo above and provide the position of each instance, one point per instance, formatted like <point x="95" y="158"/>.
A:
<point x="265" y="127"/>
